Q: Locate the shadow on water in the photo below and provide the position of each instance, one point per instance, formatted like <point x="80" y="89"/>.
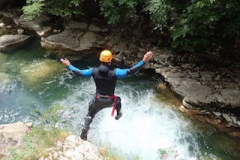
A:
<point x="151" y="127"/>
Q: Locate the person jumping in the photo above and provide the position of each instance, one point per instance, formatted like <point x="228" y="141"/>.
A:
<point x="105" y="78"/>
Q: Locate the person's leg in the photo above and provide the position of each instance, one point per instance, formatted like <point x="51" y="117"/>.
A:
<point x="118" y="108"/>
<point x="94" y="107"/>
<point x="88" y="120"/>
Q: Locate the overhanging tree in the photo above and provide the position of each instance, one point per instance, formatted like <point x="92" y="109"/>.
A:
<point x="192" y="25"/>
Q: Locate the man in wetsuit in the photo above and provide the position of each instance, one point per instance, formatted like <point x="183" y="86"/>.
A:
<point x="105" y="77"/>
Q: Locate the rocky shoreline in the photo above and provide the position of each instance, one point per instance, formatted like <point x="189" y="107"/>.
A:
<point x="209" y="92"/>
<point x="73" y="147"/>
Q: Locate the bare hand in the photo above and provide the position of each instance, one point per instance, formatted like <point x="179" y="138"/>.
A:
<point x="65" y="62"/>
<point x="147" y="56"/>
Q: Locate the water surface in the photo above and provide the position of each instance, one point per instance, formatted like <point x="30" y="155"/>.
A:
<point x="149" y="129"/>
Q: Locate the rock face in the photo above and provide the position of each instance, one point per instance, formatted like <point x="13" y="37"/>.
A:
<point x="12" y="135"/>
<point x="77" y="40"/>
<point x="74" y="148"/>
<point x="203" y="86"/>
<point x="10" y="42"/>
<point x="35" y="25"/>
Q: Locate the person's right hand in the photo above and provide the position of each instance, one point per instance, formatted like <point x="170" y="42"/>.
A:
<point x="147" y="56"/>
<point x="65" y="62"/>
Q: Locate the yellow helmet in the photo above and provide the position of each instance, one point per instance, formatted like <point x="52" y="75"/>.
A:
<point x="106" y="56"/>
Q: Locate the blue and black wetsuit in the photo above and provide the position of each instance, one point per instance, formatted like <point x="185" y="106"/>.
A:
<point x="105" y="78"/>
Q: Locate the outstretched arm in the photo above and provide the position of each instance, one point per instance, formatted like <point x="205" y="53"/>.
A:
<point x="121" y="73"/>
<point x="85" y="72"/>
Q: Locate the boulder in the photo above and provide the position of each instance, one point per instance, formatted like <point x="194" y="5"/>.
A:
<point x="12" y="136"/>
<point x="73" y="147"/>
<point x="10" y="42"/>
<point x="36" y="25"/>
<point x="39" y="71"/>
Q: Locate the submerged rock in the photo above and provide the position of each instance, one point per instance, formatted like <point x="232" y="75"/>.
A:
<point x="4" y="79"/>
<point x="40" y="71"/>
<point x="3" y="57"/>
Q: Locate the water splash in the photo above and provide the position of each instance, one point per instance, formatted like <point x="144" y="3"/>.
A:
<point x="147" y="130"/>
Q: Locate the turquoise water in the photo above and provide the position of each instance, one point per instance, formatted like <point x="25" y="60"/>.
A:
<point x="149" y="129"/>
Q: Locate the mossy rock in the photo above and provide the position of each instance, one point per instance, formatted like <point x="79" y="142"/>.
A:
<point x="3" y="57"/>
<point x="40" y="71"/>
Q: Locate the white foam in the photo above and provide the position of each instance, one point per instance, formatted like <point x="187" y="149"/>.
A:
<point x="146" y="126"/>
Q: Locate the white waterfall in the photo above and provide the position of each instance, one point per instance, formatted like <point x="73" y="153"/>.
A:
<point x="148" y="130"/>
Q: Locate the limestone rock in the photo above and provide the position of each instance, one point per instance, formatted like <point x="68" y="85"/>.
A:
<point x="75" y="148"/>
<point x="12" y="135"/>
<point x="10" y="42"/>
<point x="36" y="25"/>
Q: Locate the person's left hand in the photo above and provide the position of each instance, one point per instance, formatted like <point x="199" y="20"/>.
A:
<point x="65" y="62"/>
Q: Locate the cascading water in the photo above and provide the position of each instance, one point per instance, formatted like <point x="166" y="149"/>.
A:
<point x="148" y="129"/>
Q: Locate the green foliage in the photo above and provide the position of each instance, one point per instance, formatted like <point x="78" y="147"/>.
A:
<point x="193" y="26"/>
<point x="52" y="115"/>
<point x="38" y="139"/>
<point x="28" y="152"/>
<point x="63" y="8"/>
<point x="42" y="136"/>
<point x="33" y="9"/>
<point x="160" y="11"/>
<point x="207" y="25"/>
<point x="114" y="10"/>
<point x="48" y="136"/>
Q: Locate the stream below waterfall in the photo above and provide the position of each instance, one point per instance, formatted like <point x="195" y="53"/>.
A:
<point x="150" y="129"/>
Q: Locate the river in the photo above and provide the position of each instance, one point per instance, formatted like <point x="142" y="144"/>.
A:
<point x="151" y="127"/>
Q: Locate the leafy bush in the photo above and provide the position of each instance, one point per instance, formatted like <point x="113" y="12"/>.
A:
<point x="193" y="26"/>
<point x="115" y="10"/>
<point x="160" y="11"/>
<point x="63" y="8"/>
<point x="208" y="25"/>
<point x="33" y="9"/>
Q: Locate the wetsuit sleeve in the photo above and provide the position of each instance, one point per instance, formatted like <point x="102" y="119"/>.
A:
<point x="122" y="73"/>
<point x="84" y="72"/>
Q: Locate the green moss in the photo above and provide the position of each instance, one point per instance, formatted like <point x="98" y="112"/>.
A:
<point x="42" y="136"/>
<point x="38" y="72"/>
